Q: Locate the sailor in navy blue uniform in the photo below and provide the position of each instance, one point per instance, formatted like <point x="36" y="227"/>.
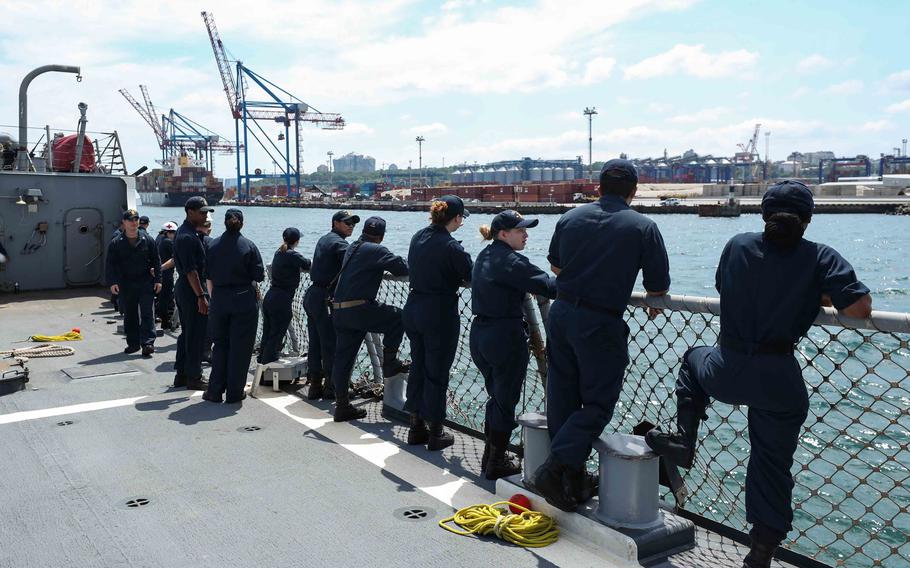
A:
<point x="327" y="259"/>
<point x="770" y="285"/>
<point x="191" y="295"/>
<point x="438" y="265"/>
<point x="133" y="271"/>
<point x="165" y="245"/>
<point x="597" y="251"/>
<point x="234" y="270"/>
<point x="205" y="235"/>
<point x="355" y="312"/>
<point x="277" y="306"/>
<point x="144" y="224"/>
<point x="499" y="334"/>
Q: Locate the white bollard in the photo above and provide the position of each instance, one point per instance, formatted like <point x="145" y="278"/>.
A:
<point x="536" y="441"/>
<point x="629" y="475"/>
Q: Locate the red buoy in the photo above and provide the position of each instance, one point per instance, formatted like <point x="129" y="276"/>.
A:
<point x="521" y="500"/>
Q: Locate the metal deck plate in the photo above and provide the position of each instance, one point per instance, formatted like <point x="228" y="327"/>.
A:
<point x="103" y="370"/>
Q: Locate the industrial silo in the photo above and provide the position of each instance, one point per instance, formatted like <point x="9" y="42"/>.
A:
<point x="568" y="173"/>
<point x="488" y="175"/>
<point x="499" y="176"/>
<point x="455" y="178"/>
<point x="557" y="174"/>
<point x="514" y="175"/>
<point x="535" y="174"/>
<point x="546" y="174"/>
<point x="476" y="176"/>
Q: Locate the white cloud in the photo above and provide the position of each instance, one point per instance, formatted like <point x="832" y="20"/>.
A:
<point x="432" y="128"/>
<point x="876" y="126"/>
<point x="899" y="81"/>
<point x="814" y="62"/>
<point x="800" y="92"/>
<point x="704" y="115"/>
<point x="902" y="106"/>
<point x="851" y="87"/>
<point x="598" y="69"/>
<point x="695" y="61"/>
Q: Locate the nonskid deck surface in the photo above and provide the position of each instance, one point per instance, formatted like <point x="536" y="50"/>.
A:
<point x="272" y="483"/>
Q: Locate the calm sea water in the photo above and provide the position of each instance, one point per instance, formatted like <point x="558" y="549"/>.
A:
<point x="876" y="245"/>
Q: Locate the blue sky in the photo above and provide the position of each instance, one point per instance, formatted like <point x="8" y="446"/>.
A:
<point x="484" y="81"/>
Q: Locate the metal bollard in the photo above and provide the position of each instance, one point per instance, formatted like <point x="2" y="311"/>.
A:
<point x="536" y="443"/>
<point x="629" y="474"/>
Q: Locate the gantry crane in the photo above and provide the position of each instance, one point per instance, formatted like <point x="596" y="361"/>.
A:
<point x="280" y="107"/>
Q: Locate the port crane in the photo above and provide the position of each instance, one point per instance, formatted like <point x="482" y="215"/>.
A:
<point x="178" y="135"/>
<point x="279" y="106"/>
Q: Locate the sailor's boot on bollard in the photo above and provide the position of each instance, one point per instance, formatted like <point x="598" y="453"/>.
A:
<point x="392" y="365"/>
<point x="553" y="482"/>
<point x="678" y="448"/>
<point x="499" y="463"/>
<point x="418" y="432"/>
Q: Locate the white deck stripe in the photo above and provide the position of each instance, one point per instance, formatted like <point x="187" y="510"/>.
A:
<point x="24" y="415"/>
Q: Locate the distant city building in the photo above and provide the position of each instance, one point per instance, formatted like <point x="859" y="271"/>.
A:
<point x="811" y="157"/>
<point x="354" y="163"/>
<point x="393" y="168"/>
<point x="322" y="169"/>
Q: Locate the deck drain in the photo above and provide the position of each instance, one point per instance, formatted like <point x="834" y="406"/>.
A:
<point x="414" y="513"/>
<point x="65" y="423"/>
<point x="249" y="429"/>
<point x="137" y="502"/>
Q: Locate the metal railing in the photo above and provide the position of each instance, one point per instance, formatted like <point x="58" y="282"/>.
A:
<point x="852" y="464"/>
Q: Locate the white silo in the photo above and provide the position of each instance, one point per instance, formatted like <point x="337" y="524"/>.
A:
<point x="455" y="178"/>
<point x="557" y="174"/>
<point x="514" y="175"/>
<point x="500" y="176"/>
<point x="489" y="175"/>
<point x="476" y="176"/>
<point x="546" y="174"/>
<point x="535" y="174"/>
<point x="568" y="174"/>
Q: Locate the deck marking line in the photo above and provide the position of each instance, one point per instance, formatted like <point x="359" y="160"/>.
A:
<point x="24" y="415"/>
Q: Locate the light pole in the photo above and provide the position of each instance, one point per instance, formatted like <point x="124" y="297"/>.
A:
<point x="420" y="140"/>
<point x="590" y="112"/>
<point x="409" y="174"/>
<point x="330" y="154"/>
<point x="904" y="146"/>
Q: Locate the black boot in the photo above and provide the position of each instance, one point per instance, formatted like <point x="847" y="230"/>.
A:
<point x="678" y="448"/>
<point x="392" y="365"/>
<point x="179" y="381"/>
<point x="199" y="383"/>
<point x="345" y="411"/>
<point x="552" y="483"/>
<point x="315" y="391"/>
<point x="439" y="439"/>
<point x="764" y="542"/>
<point x="586" y="486"/>
<point x="328" y="392"/>
<point x="418" y="432"/>
<point x="499" y="463"/>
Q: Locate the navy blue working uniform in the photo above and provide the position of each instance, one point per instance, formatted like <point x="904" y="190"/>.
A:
<point x="165" y="306"/>
<point x="598" y="249"/>
<point x="277" y="306"/>
<point x="234" y="266"/>
<point x="189" y="256"/>
<point x="355" y="310"/>
<point x="327" y="259"/>
<point x="437" y="265"/>
<point x="499" y="333"/>
<point x="135" y="267"/>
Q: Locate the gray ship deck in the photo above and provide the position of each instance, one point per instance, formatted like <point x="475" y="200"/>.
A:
<point x="300" y="491"/>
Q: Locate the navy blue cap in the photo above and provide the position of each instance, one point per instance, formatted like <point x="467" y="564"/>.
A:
<point x="788" y="196"/>
<point x="197" y="203"/>
<point x="130" y="215"/>
<point x="454" y="206"/>
<point x="144" y="220"/>
<point x="345" y="217"/>
<point x="511" y="219"/>
<point x="233" y="214"/>
<point x="374" y="226"/>
<point x="618" y="170"/>
<point x="291" y="235"/>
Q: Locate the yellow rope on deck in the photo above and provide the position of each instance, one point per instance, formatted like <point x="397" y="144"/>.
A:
<point x="530" y="529"/>
<point x="72" y="335"/>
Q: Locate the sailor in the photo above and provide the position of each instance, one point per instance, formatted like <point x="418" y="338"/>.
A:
<point x="327" y="259"/>
<point x="205" y="235"/>
<point x="277" y="306"/>
<point x="770" y="287"/>
<point x="499" y="334"/>
<point x="164" y="242"/>
<point x="191" y="295"/>
<point x="438" y="265"/>
<point x="597" y="251"/>
<point x="144" y="224"/>
<point x="355" y="312"/>
<point x="133" y="271"/>
<point x="234" y="270"/>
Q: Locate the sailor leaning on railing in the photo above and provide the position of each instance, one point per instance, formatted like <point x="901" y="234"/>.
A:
<point x="771" y="285"/>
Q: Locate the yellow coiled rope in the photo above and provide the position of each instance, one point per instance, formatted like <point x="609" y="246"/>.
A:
<point x="530" y="529"/>
<point x="72" y="335"/>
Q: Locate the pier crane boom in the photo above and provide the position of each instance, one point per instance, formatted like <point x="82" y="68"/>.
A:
<point x="278" y="106"/>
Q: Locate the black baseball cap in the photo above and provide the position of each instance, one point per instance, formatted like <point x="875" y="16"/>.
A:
<point x="511" y="219"/>
<point x="130" y="215"/>
<point x="618" y="170"/>
<point x="345" y="217"/>
<point x="788" y="196"/>
<point x="233" y="214"/>
<point x="374" y="226"/>
<point x="454" y="206"/>
<point x="291" y="235"/>
<point x="197" y="203"/>
<point x="144" y="220"/>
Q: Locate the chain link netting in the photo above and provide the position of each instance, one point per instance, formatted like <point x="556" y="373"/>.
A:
<point x="852" y="463"/>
